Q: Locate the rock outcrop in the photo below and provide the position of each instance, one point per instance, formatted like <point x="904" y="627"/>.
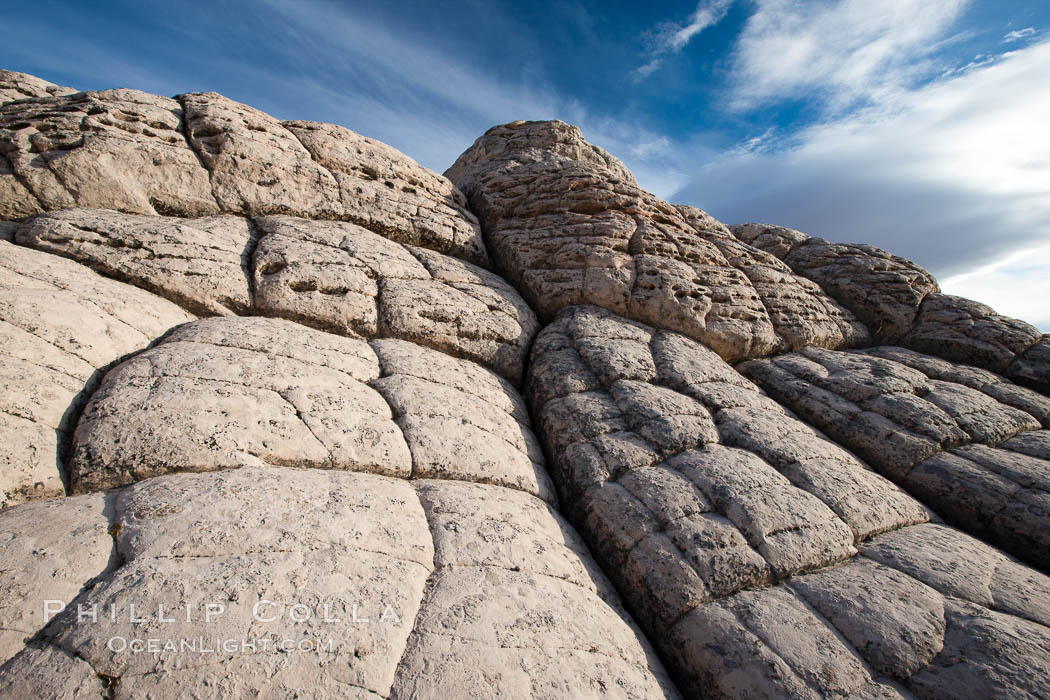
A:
<point x="901" y="303"/>
<point x="272" y="426"/>
<point x="567" y="224"/>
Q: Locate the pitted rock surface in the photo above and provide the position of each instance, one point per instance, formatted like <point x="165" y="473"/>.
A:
<point x="200" y="264"/>
<point x="19" y="86"/>
<point x="697" y="491"/>
<point x="883" y="290"/>
<point x="129" y="145"/>
<point x="965" y="331"/>
<point x="260" y="166"/>
<point x="202" y="154"/>
<point x="1032" y="367"/>
<point x="345" y="279"/>
<point x="327" y="274"/>
<point x="380" y="567"/>
<point x="901" y="304"/>
<point x="59" y="324"/>
<point x="252" y="391"/>
<point x="941" y="431"/>
<point x="51" y="547"/>
<point x="340" y="456"/>
<point x="568" y="225"/>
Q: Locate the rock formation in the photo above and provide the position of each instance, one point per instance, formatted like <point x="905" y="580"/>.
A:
<point x="286" y="414"/>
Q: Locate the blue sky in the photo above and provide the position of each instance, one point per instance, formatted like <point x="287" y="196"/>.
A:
<point x="920" y="126"/>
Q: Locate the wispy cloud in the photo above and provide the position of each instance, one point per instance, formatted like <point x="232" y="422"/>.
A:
<point x="954" y="174"/>
<point x="671" y="37"/>
<point x="841" y="51"/>
<point x="1019" y="34"/>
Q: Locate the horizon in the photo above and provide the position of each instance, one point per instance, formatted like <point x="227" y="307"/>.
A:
<point x="917" y="127"/>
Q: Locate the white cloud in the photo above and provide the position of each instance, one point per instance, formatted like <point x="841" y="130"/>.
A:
<point x="672" y="37"/>
<point x="1018" y="34"/>
<point x="845" y="50"/>
<point x="953" y="175"/>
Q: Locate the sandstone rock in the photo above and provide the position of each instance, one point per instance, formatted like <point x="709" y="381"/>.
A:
<point x="1032" y="367"/>
<point x="960" y="566"/>
<point x="776" y="240"/>
<point x="1029" y="401"/>
<point x="252" y="391"/>
<point x="59" y="324"/>
<point x="201" y="154"/>
<point x="965" y="331"/>
<point x="343" y="278"/>
<point x="568" y="225"/>
<point x="200" y="264"/>
<point x="49" y="550"/>
<point x="128" y="145"/>
<point x="242" y="391"/>
<point x="692" y="524"/>
<point x="937" y="438"/>
<point x="260" y="166"/>
<point x="47" y="672"/>
<point x="19" y="86"/>
<point x="372" y="574"/>
<point x="883" y="290"/>
<point x="385" y="191"/>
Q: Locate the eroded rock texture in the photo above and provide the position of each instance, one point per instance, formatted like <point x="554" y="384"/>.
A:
<point x="567" y="225"/>
<point x="202" y="154"/>
<point x="381" y="587"/>
<point x="331" y="487"/>
<point x="331" y="275"/>
<point x="718" y="514"/>
<point x="346" y="279"/>
<point x="902" y="305"/>
<point x="19" y="86"/>
<point x="942" y="431"/>
<point x="59" y="324"/>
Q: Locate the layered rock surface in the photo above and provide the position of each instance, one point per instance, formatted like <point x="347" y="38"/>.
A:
<point x="60" y="323"/>
<point x="330" y="275"/>
<point x="766" y="560"/>
<point x="901" y="303"/>
<point x="202" y="154"/>
<point x="568" y="225"/>
<point x="945" y="432"/>
<point x="332" y="487"/>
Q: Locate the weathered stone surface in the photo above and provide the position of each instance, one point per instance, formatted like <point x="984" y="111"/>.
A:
<point x="200" y="264"/>
<point x="883" y="290"/>
<point x="47" y="672"/>
<point x="201" y="154"/>
<point x="252" y="391"/>
<point x="519" y="607"/>
<point x="371" y="574"/>
<point x="129" y="145"/>
<point x="260" y="166"/>
<point x="694" y="525"/>
<point x="1031" y="402"/>
<point x="966" y="331"/>
<point x="777" y="240"/>
<point x="59" y="323"/>
<point x="962" y="567"/>
<point x="343" y="278"/>
<point x="19" y="86"/>
<point x="48" y="551"/>
<point x="937" y="438"/>
<point x="901" y="303"/>
<point x="568" y="225"/>
<point x="383" y="190"/>
<point x="1032" y="367"/>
